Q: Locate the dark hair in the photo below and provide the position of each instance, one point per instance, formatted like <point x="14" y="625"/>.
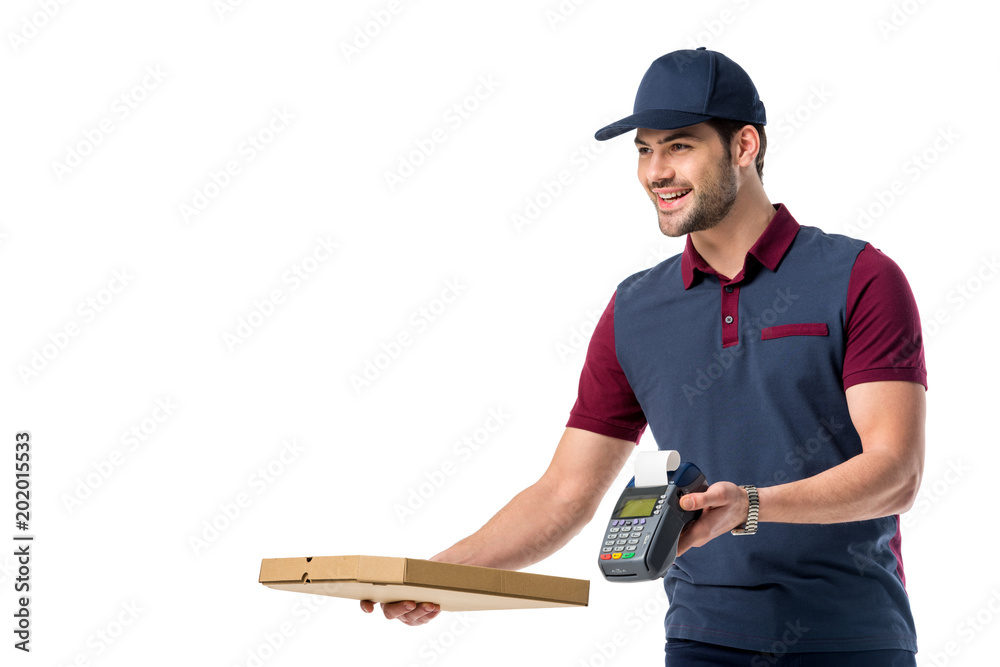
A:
<point x="727" y="129"/>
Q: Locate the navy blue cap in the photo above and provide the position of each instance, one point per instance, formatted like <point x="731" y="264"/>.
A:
<point x="688" y="87"/>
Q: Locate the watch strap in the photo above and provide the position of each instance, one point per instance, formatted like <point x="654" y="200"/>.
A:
<point x="750" y="527"/>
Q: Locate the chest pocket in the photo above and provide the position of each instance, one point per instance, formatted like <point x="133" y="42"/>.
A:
<point x="785" y="330"/>
<point x="803" y="354"/>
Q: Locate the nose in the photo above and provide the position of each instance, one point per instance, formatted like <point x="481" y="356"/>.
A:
<point x="659" y="169"/>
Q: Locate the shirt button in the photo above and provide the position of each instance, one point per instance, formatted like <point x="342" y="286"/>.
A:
<point x="729" y="288"/>
<point x="729" y="319"/>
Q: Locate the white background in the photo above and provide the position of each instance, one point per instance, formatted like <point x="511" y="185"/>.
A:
<point x="852" y="98"/>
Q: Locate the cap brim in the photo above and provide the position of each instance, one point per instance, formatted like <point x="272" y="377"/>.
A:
<point x="654" y="119"/>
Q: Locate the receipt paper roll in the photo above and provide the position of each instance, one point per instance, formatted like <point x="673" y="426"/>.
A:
<point x="651" y="468"/>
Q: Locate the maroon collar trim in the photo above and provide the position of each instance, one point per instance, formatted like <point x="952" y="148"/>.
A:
<point x="769" y="249"/>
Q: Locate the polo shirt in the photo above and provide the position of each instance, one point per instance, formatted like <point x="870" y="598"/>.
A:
<point x="746" y="378"/>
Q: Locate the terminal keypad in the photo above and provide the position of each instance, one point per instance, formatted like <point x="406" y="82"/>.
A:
<point x="622" y="539"/>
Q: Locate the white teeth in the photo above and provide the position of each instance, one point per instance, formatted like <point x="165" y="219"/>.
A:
<point x="672" y="195"/>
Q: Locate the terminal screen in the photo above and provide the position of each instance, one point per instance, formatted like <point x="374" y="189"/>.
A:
<point x="636" y="507"/>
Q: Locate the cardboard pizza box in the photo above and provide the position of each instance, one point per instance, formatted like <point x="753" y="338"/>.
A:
<point x="454" y="587"/>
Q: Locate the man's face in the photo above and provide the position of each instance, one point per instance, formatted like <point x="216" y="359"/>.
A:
<point x="688" y="175"/>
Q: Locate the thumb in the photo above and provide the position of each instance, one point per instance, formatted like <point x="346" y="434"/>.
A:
<point x="713" y="496"/>
<point x="692" y="501"/>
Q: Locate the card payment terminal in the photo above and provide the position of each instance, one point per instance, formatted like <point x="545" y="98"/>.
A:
<point x="640" y="542"/>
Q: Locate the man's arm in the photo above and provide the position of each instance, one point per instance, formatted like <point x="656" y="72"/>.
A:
<point x="539" y="520"/>
<point x="881" y="481"/>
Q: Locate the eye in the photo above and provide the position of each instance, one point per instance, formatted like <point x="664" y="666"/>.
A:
<point x="680" y="146"/>
<point x="643" y="149"/>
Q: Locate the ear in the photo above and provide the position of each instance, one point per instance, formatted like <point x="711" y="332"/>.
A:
<point x="746" y="145"/>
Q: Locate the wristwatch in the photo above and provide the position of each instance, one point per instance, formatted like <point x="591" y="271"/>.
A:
<point x="750" y="527"/>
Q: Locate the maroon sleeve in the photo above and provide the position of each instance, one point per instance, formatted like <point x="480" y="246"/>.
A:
<point x="605" y="403"/>
<point x="883" y="326"/>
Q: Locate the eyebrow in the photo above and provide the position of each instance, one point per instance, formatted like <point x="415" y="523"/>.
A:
<point x="670" y="137"/>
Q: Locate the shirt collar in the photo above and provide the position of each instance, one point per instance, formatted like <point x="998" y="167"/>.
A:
<point x="769" y="249"/>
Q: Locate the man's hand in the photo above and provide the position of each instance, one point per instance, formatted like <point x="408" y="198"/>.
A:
<point x="408" y="611"/>
<point x="564" y="498"/>
<point x="723" y="506"/>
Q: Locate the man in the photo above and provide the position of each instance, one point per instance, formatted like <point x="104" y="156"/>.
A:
<point x="785" y="362"/>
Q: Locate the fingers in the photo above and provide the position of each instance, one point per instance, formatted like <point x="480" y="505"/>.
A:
<point x="683" y="541"/>
<point x="407" y="611"/>
<point x="714" y="496"/>
<point x="698" y="533"/>
<point x="367" y="606"/>
<point x="723" y="508"/>
<point x="423" y="613"/>
<point x="411" y="613"/>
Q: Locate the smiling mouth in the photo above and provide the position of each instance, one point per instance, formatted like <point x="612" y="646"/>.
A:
<point x="672" y="196"/>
